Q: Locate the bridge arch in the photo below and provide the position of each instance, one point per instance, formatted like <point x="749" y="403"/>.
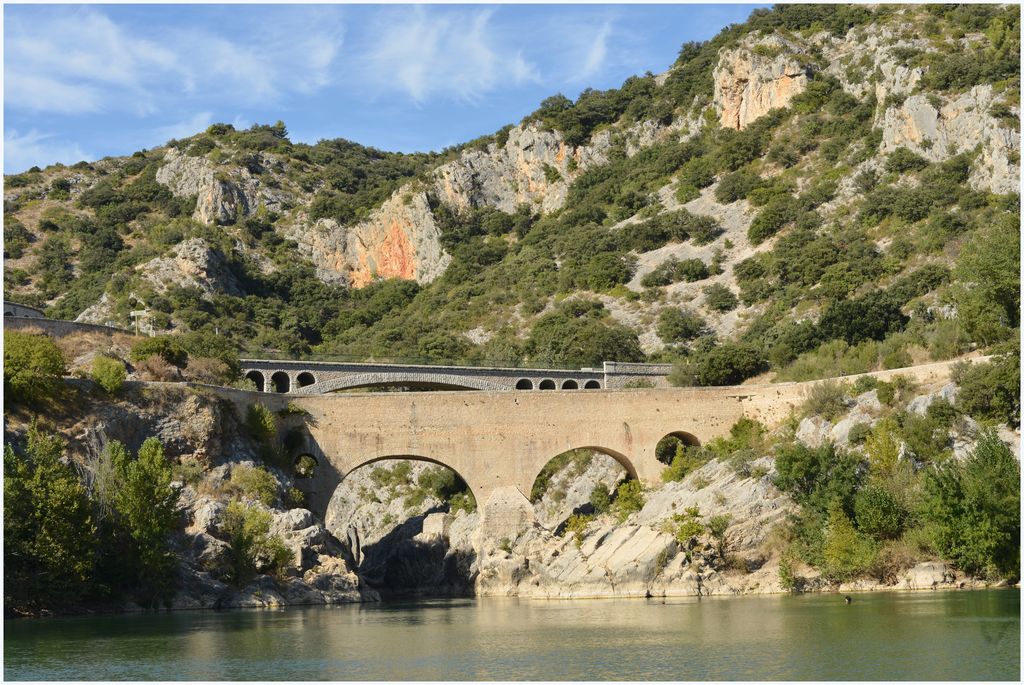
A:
<point x="570" y="384"/>
<point x="547" y="384"/>
<point x="622" y="459"/>
<point x="666" y="448"/>
<point x="305" y="378"/>
<point x="257" y="378"/>
<point x="524" y="384"/>
<point x="358" y="464"/>
<point x="592" y="385"/>
<point x="280" y="382"/>
<point x="370" y="380"/>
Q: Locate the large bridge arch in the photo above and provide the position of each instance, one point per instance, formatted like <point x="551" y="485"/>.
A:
<point x="372" y="380"/>
<point x="358" y="464"/>
<point x="537" y="468"/>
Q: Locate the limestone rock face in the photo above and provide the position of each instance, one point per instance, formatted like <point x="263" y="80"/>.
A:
<point x="813" y="431"/>
<point x="640" y="558"/>
<point x="399" y="240"/>
<point x="756" y="78"/>
<point x="219" y="199"/>
<point x="516" y="173"/>
<point x="958" y="125"/>
<point x="192" y="264"/>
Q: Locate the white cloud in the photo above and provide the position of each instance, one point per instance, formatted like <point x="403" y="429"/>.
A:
<point x="23" y="151"/>
<point x="183" y="129"/>
<point x="42" y="93"/>
<point x="595" y="56"/>
<point x="81" y="61"/>
<point x="430" y="53"/>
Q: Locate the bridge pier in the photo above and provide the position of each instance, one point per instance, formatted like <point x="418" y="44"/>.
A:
<point x="506" y="513"/>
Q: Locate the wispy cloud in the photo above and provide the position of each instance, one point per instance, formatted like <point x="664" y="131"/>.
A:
<point x="595" y="56"/>
<point x="426" y="53"/>
<point x="82" y="61"/>
<point x="23" y="150"/>
<point x="184" y="129"/>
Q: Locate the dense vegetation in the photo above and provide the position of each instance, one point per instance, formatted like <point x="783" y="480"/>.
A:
<point x="69" y="542"/>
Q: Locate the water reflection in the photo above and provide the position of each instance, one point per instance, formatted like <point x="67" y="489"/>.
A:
<point x="894" y="636"/>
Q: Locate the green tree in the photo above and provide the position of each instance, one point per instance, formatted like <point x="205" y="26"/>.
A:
<point x="818" y="477"/>
<point x="147" y="504"/>
<point x="988" y="294"/>
<point x="992" y="390"/>
<point x="49" y="545"/>
<point x="678" y="325"/>
<point x="718" y="526"/>
<point x="879" y="514"/>
<point x="719" y="298"/>
<point x="975" y="509"/>
<point x="253" y="548"/>
<point x="847" y="553"/>
<point x="33" y="366"/>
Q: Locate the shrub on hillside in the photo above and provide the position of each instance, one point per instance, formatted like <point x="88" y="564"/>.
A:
<point x="847" y="552"/>
<point x="736" y="186"/>
<point x="679" y="325"/>
<point x="600" y="498"/>
<point x="719" y="298"/>
<point x="165" y="346"/>
<point x="629" y="499"/>
<point x="779" y="211"/>
<point x="33" y="366"/>
<point x="255" y="482"/>
<point x="156" y="368"/>
<point x="827" y="399"/>
<point x="991" y="390"/>
<point x="207" y="370"/>
<point x="726" y="364"/>
<point x="902" y="160"/>
<point x="577" y="527"/>
<point x="252" y="548"/>
<point x="108" y="373"/>
<point x="879" y="514"/>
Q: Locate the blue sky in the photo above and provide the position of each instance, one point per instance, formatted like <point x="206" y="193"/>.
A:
<point x="86" y="81"/>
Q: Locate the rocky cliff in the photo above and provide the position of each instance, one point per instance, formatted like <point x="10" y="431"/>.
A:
<point x="758" y="77"/>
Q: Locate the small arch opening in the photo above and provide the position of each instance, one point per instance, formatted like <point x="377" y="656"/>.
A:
<point x="305" y="378"/>
<point x="305" y="466"/>
<point x="524" y="384"/>
<point x="281" y="382"/>
<point x="676" y="444"/>
<point x="257" y="378"/>
<point x="547" y="384"/>
<point x="570" y="385"/>
<point x="592" y="385"/>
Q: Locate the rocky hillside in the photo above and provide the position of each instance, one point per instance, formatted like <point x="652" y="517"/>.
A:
<point x="818" y="186"/>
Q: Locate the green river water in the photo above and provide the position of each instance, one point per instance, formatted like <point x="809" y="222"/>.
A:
<point x="882" y="636"/>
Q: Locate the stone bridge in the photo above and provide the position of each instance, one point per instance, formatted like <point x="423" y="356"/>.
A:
<point x="316" y="378"/>
<point x="499" y="441"/>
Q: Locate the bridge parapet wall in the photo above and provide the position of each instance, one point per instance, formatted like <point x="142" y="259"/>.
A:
<point x="58" y="328"/>
<point x="627" y="374"/>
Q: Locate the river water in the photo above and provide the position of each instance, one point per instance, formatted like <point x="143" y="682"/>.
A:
<point x="880" y="636"/>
